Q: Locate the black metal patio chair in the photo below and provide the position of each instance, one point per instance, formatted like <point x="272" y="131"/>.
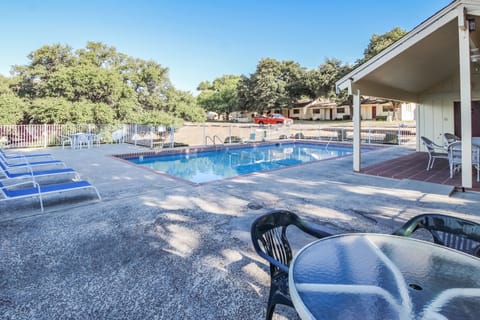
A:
<point x="449" y="231"/>
<point x="270" y="242"/>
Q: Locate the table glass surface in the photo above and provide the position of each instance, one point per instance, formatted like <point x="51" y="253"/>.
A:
<point x="373" y="276"/>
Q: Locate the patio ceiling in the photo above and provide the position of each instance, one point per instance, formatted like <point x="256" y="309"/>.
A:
<point x="423" y="58"/>
<point x="421" y="66"/>
<point x="442" y="49"/>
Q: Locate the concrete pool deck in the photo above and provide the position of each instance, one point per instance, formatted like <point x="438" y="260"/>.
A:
<point x="159" y="248"/>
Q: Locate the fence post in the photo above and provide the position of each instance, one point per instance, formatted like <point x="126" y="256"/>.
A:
<point x="135" y="135"/>
<point x="151" y="137"/>
<point x="341" y="134"/>
<point x="172" y="136"/>
<point x="399" y="135"/>
<point x="369" y="135"/>
<point x="204" y="130"/>
<point x="45" y="135"/>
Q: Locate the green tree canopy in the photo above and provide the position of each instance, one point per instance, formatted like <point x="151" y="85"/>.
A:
<point x="96" y="83"/>
<point x="274" y="84"/>
<point x="320" y="82"/>
<point x="219" y="96"/>
<point x="12" y="107"/>
<point x="380" y="42"/>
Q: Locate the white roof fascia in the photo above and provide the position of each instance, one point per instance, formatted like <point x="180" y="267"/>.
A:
<point x="420" y="32"/>
<point x="342" y="85"/>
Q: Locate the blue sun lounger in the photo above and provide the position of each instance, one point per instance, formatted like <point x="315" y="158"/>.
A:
<point x="26" y="163"/>
<point x="32" y="174"/>
<point x="12" y="192"/>
<point x="10" y="156"/>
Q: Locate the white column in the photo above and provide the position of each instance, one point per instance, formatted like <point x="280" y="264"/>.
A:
<point x="465" y="98"/>
<point x="356" y="131"/>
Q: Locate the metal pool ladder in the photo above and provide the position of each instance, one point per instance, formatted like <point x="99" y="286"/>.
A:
<point x="212" y="139"/>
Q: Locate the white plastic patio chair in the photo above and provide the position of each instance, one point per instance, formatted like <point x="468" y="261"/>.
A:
<point x="97" y="139"/>
<point x="117" y="136"/>
<point x="84" y="139"/>
<point x="66" y="140"/>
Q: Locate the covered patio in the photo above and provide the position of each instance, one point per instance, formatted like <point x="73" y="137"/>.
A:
<point x="412" y="167"/>
<point x="436" y="66"/>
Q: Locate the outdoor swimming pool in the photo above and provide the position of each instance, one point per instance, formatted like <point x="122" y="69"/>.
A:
<point x="203" y="166"/>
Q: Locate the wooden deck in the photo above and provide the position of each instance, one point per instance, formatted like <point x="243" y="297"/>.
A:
<point x="413" y="166"/>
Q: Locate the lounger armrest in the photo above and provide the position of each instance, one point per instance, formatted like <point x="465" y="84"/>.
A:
<point x="32" y="182"/>
<point x="11" y="154"/>
<point x="20" y="160"/>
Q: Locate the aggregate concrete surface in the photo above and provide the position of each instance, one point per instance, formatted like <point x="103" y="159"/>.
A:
<point x="160" y="248"/>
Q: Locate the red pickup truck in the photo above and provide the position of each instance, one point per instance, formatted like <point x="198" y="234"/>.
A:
<point x="274" y="118"/>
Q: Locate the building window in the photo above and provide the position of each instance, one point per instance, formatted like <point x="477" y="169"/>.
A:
<point x="316" y="111"/>
<point x="387" y="108"/>
<point x="340" y="110"/>
<point x="296" y="111"/>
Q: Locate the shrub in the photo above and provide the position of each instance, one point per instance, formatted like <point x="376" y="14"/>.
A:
<point x="390" y="138"/>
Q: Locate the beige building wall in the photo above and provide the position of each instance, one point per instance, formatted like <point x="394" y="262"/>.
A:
<point x="435" y="109"/>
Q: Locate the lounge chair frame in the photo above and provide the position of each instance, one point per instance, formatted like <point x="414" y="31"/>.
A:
<point x="40" y="191"/>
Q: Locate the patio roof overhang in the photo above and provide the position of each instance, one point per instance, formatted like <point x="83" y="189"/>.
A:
<point x="422" y="58"/>
<point x="432" y="52"/>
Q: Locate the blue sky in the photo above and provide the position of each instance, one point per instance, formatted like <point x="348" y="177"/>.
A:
<point x="200" y="40"/>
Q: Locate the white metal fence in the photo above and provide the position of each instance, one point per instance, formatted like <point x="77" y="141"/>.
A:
<point x="23" y="136"/>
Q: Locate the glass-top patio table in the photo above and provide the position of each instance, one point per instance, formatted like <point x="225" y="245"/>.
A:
<point x="375" y="276"/>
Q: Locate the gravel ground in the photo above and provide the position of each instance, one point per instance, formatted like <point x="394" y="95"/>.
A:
<point x="158" y="248"/>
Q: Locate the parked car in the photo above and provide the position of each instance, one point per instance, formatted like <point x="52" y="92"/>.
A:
<point x="274" y="118"/>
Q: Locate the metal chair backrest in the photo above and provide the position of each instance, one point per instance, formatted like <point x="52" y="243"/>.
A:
<point x="455" y="152"/>
<point x="269" y="237"/>
<point x="270" y="241"/>
<point x="450" y="138"/>
<point x="430" y="145"/>
<point x="449" y="231"/>
<point x="475" y="155"/>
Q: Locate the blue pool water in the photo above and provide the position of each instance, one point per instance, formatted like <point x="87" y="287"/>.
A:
<point x="206" y="166"/>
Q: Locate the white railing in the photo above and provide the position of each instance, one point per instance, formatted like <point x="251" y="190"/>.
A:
<point x="23" y="136"/>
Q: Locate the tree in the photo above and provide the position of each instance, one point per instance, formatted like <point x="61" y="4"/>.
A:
<point x="273" y="85"/>
<point x="220" y="96"/>
<point x="321" y="82"/>
<point x="149" y="81"/>
<point x="380" y="42"/>
<point x="51" y="111"/>
<point x="183" y="106"/>
<point x="44" y="62"/>
<point x="12" y="107"/>
<point x="97" y="83"/>
<point x="100" y="56"/>
<point x="85" y="82"/>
